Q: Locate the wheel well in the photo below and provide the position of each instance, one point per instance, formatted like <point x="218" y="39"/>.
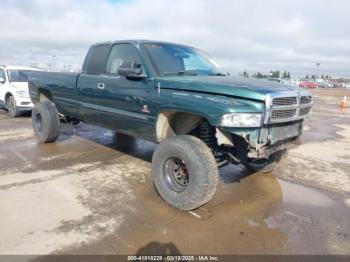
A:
<point x="172" y="123"/>
<point x="7" y="96"/>
<point x="44" y="95"/>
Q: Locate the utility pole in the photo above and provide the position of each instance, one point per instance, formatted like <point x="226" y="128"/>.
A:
<point x="317" y="68"/>
<point x="53" y="63"/>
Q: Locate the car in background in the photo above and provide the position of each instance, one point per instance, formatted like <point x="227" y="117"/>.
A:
<point x="309" y="84"/>
<point x="294" y="82"/>
<point x="325" y="85"/>
<point x="337" y="85"/>
<point x="279" y="80"/>
<point x="14" y="94"/>
<point x="282" y="81"/>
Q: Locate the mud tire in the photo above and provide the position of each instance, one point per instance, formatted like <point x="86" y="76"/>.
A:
<point x="12" y="108"/>
<point x="202" y="170"/>
<point x="46" y="122"/>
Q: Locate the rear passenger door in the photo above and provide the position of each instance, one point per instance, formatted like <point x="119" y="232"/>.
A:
<point x="120" y="103"/>
<point x="88" y="93"/>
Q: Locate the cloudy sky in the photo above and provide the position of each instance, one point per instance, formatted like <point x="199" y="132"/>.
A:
<point x="239" y="34"/>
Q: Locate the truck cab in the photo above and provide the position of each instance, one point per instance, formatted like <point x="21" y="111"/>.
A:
<point x="14" y="94"/>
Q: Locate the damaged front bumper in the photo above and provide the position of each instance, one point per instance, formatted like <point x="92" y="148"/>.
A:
<point x="264" y="141"/>
<point x="267" y="151"/>
<point x="273" y="138"/>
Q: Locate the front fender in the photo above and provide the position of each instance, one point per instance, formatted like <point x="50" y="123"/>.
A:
<point x="209" y="106"/>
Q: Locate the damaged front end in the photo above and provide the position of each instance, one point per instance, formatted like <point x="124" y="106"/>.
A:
<point x="282" y="125"/>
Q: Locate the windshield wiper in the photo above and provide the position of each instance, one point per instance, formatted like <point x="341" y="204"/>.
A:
<point x="187" y="72"/>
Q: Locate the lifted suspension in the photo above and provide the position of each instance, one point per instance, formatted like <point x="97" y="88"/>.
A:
<point x="207" y="133"/>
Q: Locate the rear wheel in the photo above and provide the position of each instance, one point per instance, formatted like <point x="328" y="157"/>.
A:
<point x="185" y="172"/>
<point x="46" y="122"/>
<point x="12" y="108"/>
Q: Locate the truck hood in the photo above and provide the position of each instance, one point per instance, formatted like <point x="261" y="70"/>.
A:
<point x="231" y="86"/>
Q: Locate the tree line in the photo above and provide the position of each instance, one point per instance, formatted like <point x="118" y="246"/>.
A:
<point x="271" y="74"/>
<point x="316" y="77"/>
<point x="278" y="74"/>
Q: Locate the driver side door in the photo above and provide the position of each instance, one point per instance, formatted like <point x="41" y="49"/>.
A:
<point x="133" y="100"/>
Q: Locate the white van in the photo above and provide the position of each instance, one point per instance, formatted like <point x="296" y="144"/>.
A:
<point x="14" y="93"/>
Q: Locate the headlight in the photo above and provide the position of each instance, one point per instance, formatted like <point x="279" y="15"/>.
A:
<point x="23" y="94"/>
<point x="241" y="120"/>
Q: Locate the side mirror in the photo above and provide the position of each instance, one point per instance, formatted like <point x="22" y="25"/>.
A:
<point x="131" y="70"/>
<point x="2" y="80"/>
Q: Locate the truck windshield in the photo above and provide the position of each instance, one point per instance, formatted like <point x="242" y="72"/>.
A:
<point x="171" y="59"/>
<point x="18" y="75"/>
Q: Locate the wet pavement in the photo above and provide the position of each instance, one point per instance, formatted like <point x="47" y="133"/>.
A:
<point x="92" y="193"/>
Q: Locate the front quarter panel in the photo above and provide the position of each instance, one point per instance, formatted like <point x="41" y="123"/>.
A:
<point x="211" y="107"/>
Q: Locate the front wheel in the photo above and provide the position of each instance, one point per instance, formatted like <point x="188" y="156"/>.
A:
<point x="12" y="107"/>
<point x="46" y="122"/>
<point x="185" y="172"/>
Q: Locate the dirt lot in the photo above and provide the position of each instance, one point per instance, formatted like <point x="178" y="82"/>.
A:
<point x="92" y="193"/>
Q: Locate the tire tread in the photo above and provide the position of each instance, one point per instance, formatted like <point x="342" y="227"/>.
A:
<point x="196" y="150"/>
<point x="50" y="120"/>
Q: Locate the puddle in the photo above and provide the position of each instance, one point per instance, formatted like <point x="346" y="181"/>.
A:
<point x="303" y="196"/>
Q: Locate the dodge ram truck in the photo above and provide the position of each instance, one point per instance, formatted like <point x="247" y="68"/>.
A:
<point x="176" y="96"/>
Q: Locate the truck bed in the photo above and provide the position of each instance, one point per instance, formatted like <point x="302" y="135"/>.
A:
<point x="62" y="87"/>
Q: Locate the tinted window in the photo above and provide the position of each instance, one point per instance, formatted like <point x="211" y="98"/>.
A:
<point x="97" y="60"/>
<point x="120" y="54"/>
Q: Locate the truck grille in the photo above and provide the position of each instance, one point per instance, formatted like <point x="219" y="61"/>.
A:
<point x="284" y="101"/>
<point x="304" y="111"/>
<point x="288" y="108"/>
<point x="281" y="114"/>
<point x="305" y="100"/>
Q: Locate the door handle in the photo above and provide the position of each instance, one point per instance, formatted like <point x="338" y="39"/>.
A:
<point x="101" y="86"/>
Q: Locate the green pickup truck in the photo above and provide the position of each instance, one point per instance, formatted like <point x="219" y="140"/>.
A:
<point x="177" y="96"/>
